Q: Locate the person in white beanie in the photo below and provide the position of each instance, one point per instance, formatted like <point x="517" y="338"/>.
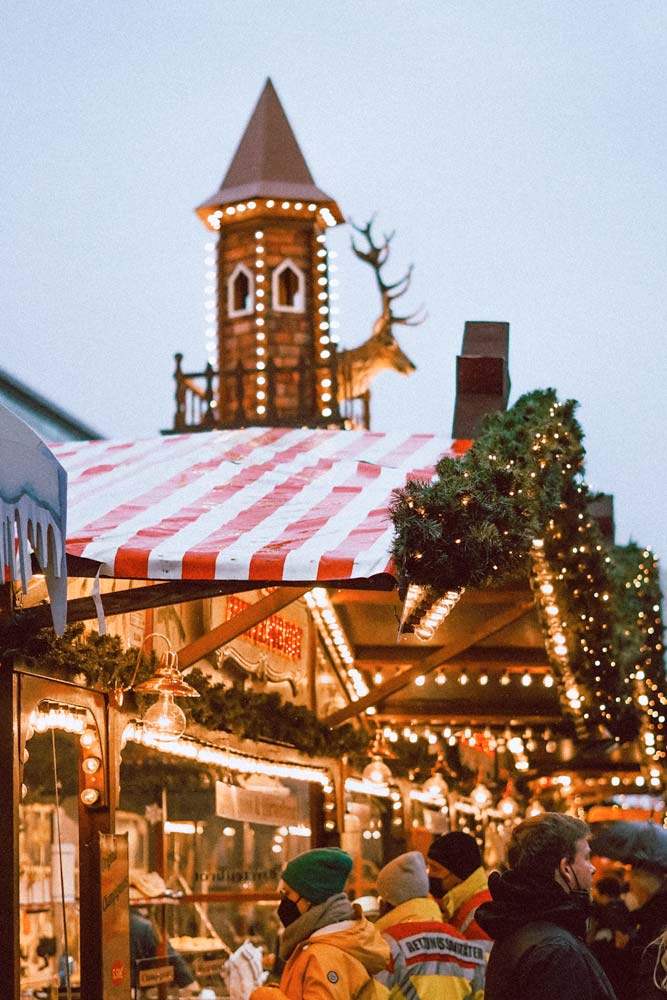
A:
<point x="430" y="959"/>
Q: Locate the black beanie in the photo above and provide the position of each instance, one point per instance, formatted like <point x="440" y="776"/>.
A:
<point x="457" y="851"/>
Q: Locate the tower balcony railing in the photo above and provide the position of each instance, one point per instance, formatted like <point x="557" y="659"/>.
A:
<point x="221" y="400"/>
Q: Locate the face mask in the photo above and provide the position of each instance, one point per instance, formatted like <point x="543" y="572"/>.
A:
<point x="288" y="911"/>
<point x="435" y="887"/>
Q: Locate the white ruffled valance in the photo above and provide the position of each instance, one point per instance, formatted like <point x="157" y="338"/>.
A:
<point x="33" y="512"/>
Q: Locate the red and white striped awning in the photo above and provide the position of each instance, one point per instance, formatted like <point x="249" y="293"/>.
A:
<point x="270" y="504"/>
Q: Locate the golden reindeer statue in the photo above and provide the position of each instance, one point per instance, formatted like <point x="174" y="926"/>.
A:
<point x="358" y="366"/>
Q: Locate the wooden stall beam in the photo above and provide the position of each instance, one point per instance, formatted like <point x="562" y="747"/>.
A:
<point x="435" y="659"/>
<point x="239" y="624"/>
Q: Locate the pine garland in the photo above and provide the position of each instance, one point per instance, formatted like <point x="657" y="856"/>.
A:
<point x="256" y="715"/>
<point x="473" y="526"/>
<point x="476" y="523"/>
<point x="103" y="662"/>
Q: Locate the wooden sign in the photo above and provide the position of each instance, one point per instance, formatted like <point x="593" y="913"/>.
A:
<point x="156" y="976"/>
<point x="114" y="865"/>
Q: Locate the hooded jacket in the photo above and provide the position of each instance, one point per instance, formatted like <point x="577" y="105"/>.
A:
<point x="459" y="905"/>
<point x="335" y="962"/>
<point x="539" y="952"/>
<point x="430" y="960"/>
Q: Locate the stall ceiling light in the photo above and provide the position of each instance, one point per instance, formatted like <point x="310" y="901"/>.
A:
<point x="204" y="753"/>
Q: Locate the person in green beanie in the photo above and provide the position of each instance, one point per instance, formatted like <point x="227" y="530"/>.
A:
<point x="331" y="950"/>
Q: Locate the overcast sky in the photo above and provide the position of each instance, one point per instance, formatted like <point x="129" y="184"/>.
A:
<point x="517" y="148"/>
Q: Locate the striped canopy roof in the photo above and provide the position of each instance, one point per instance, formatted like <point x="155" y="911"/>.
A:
<point x="270" y="504"/>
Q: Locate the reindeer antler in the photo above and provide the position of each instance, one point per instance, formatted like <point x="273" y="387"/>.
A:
<point x="377" y="255"/>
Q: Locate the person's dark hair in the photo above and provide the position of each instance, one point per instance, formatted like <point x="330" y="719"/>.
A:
<point x="540" y="843"/>
<point x="609" y="886"/>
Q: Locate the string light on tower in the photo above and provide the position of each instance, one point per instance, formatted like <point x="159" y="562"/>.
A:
<point x="210" y="307"/>
<point x="324" y="337"/>
<point x="260" y="325"/>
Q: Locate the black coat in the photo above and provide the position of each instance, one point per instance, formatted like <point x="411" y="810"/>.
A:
<point x="539" y="953"/>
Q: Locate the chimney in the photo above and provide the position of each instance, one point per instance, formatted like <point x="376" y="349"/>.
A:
<point x="601" y="509"/>
<point x="482" y="376"/>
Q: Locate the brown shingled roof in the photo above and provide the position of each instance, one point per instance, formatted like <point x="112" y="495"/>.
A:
<point x="268" y="162"/>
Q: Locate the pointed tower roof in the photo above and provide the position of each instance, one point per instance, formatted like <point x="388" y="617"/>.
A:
<point x="268" y="163"/>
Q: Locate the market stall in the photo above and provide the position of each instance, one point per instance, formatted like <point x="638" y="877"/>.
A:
<point x="264" y="557"/>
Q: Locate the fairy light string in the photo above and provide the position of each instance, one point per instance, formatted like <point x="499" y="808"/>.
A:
<point x="518" y="497"/>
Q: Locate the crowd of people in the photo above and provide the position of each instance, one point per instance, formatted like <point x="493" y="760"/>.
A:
<point x="542" y="929"/>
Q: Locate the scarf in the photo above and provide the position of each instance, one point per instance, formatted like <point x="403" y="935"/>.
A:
<point x="331" y="911"/>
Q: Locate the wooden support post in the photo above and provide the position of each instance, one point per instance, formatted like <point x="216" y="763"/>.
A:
<point x="10" y="794"/>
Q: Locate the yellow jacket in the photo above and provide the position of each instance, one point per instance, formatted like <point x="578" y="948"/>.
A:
<point x="337" y="962"/>
<point x="430" y="960"/>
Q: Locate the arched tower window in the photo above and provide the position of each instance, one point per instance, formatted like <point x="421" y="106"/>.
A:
<point x="288" y="287"/>
<point x="240" y="291"/>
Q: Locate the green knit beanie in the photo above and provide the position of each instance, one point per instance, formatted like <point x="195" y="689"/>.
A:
<point x="316" y="875"/>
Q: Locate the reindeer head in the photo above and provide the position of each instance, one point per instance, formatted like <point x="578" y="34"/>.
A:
<point x="387" y="350"/>
<point x="382" y="337"/>
<point x="358" y="366"/>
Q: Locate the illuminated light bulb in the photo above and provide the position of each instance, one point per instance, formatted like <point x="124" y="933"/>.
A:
<point x="378" y="677"/>
<point x="548" y="680"/>
<point x="551" y="609"/>
<point x="89" y="796"/>
<point x="547" y="588"/>
<point x="420" y="680"/>
<point x="91" y="765"/>
<point x="508" y="806"/>
<point x="572" y="694"/>
<point x="535" y="809"/>
<point x="483" y="679"/>
<point x="435" y="787"/>
<point x="424" y="631"/>
<point x="259" y="234"/>
<point x="639" y="781"/>
<point x="515" y="745"/>
<point x="312" y="206"/>
<point x="463" y="678"/>
<point x="87" y="739"/>
<point x="377" y="772"/>
<point x="505" y="679"/>
<point x="270" y="203"/>
<point x="440" y="679"/>
<point x="481" y="796"/>
<point x="165" y="720"/>
<point x="526" y="679"/>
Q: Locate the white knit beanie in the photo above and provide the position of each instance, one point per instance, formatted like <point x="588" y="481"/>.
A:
<point x="403" y="878"/>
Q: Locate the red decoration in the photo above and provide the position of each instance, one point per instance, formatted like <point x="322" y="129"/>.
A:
<point x="276" y="633"/>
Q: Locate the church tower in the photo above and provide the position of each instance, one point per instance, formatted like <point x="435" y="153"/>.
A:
<point x="272" y="359"/>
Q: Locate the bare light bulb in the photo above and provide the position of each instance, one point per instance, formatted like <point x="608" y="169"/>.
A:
<point x="481" y="796"/>
<point x="377" y="772"/>
<point x="165" y="720"/>
<point x="436" y="787"/>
